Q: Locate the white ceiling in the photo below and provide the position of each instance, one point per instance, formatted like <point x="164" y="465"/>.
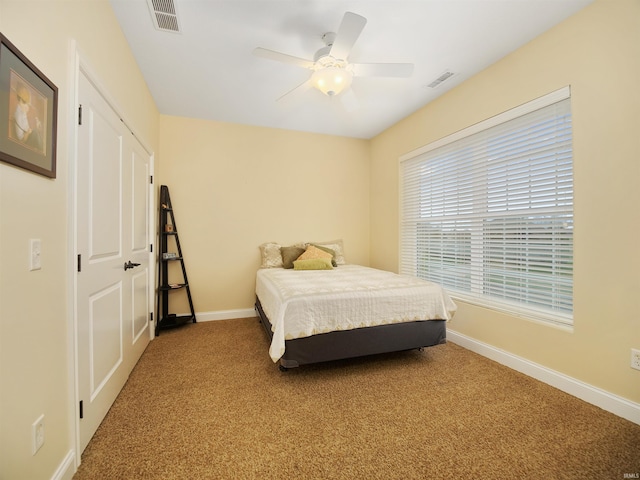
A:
<point x="208" y="71"/>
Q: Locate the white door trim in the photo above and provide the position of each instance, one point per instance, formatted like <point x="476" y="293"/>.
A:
<point x="77" y="65"/>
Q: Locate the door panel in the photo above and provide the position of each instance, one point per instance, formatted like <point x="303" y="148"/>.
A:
<point x="113" y="228"/>
<point x="140" y="309"/>
<point x="139" y="241"/>
<point x="140" y="206"/>
<point x="105" y="327"/>
<point x="104" y="162"/>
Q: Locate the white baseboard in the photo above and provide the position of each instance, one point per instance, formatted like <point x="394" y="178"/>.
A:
<point x="225" y="314"/>
<point x="601" y="398"/>
<point x="66" y="469"/>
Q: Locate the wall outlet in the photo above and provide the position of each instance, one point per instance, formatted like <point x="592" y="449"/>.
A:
<point x="37" y="434"/>
<point x="635" y="359"/>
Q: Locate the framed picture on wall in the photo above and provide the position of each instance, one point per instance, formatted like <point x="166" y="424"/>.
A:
<point x="28" y="113"/>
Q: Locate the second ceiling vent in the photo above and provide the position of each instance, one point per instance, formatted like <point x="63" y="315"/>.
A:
<point x="442" y="78"/>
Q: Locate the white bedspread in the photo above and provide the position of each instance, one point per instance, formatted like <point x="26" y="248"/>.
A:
<point x="301" y="303"/>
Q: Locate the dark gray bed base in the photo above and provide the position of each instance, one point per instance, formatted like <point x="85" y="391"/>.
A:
<point x="359" y="342"/>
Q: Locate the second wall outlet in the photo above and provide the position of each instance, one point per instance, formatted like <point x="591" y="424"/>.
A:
<point x="37" y="434"/>
<point x="635" y="359"/>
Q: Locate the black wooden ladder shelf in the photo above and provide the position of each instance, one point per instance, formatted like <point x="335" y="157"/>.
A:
<point x="169" y="240"/>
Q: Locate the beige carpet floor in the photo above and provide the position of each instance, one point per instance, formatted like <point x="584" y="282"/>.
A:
<point x="206" y="402"/>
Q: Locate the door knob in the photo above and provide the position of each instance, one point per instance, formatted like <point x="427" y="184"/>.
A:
<point x="129" y="265"/>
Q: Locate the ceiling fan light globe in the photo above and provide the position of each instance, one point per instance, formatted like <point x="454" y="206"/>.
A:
<point x="332" y="80"/>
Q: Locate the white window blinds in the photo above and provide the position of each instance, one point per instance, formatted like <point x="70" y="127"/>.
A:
<point x="488" y="212"/>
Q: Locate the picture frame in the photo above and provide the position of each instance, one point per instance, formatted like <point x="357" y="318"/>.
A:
<point x="28" y="113"/>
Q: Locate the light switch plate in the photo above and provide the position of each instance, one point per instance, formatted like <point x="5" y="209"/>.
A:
<point x="35" y="250"/>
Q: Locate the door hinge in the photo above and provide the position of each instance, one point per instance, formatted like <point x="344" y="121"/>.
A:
<point x="151" y="179"/>
<point x="80" y="115"/>
<point x="151" y="316"/>
<point x="151" y="247"/>
<point x="81" y="409"/>
<point x="79" y="263"/>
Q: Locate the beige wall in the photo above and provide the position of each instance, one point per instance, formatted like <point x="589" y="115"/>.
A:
<point x="597" y="52"/>
<point x="34" y="313"/>
<point x="234" y="187"/>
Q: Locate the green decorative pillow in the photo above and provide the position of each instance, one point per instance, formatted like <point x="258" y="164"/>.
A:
<point x="289" y="254"/>
<point x="328" y="250"/>
<point x="313" y="264"/>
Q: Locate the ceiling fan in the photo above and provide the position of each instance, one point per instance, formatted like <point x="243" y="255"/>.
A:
<point x="332" y="72"/>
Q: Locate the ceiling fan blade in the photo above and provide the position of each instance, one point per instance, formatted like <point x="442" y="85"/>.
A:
<point x="295" y="92"/>
<point x="282" y="57"/>
<point x="349" y="31"/>
<point x="401" y="70"/>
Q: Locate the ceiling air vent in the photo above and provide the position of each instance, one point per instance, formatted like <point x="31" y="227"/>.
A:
<point x="442" y="78"/>
<point x="163" y="13"/>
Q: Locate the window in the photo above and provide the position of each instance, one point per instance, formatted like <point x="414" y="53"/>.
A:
<point x="488" y="212"/>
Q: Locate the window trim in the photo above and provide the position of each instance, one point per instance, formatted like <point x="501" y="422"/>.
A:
<point x="564" y="320"/>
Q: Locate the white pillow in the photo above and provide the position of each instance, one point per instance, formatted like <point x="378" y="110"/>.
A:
<point x="271" y="256"/>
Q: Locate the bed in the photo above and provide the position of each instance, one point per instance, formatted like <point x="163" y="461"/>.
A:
<point x="313" y="316"/>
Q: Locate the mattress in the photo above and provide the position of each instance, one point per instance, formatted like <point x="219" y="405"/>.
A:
<point x="302" y="303"/>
